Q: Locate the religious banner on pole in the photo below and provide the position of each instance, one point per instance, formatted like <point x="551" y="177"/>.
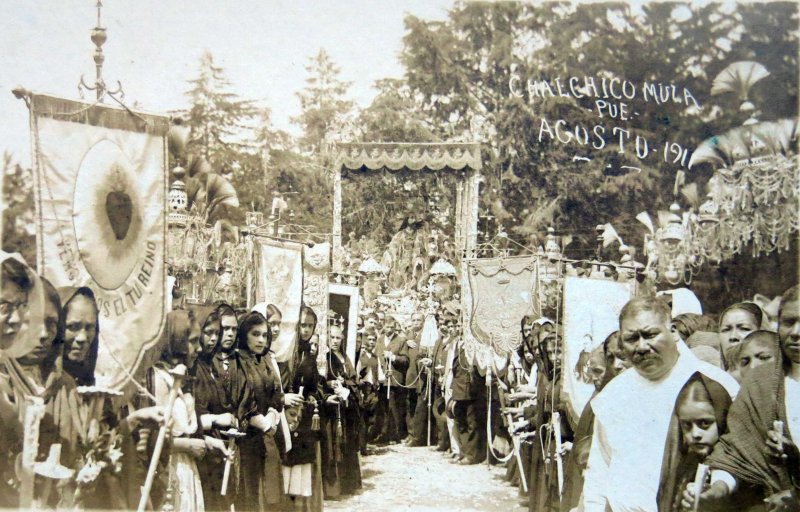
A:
<point x="100" y="193"/>
<point x="316" y="268"/>
<point x="501" y="291"/>
<point x="591" y="313"/>
<point x="279" y="281"/>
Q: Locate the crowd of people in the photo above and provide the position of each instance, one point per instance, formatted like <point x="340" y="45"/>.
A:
<point x="690" y="412"/>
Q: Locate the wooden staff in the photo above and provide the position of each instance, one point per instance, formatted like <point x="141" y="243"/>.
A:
<point x="428" y="370"/>
<point x="509" y="419"/>
<point x="316" y="502"/>
<point x="232" y="434"/>
<point x="178" y="373"/>
<point x="389" y="379"/>
<point x="489" y="415"/>
<point x="559" y="463"/>
<point x="699" y="482"/>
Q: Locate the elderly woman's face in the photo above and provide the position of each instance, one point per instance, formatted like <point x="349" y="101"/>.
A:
<point x="80" y="328"/>
<point x="734" y="327"/>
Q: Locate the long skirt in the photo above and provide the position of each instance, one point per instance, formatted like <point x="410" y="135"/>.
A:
<point x="260" y="475"/>
<point x="341" y="463"/>
<point x="184" y="484"/>
<point x="297" y="480"/>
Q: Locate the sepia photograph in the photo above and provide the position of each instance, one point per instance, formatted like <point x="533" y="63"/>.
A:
<point x="411" y="255"/>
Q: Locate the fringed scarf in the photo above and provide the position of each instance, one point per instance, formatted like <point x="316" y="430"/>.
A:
<point x="740" y="452"/>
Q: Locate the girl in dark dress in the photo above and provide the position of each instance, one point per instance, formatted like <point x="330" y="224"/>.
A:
<point x="261" y="485"/>
<point x="301" y="470"/>
<point x="220" y="402"/>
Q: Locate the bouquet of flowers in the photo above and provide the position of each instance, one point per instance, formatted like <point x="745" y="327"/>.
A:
<point x="101" y="456"/>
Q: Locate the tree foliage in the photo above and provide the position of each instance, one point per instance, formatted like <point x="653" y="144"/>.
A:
<point x="323" y="101"/>
<point x="461" y="68"/>
<point x="218" y="118"/>
<point x="18" y="210"/>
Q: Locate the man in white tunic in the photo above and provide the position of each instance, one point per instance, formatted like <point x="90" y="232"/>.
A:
<point x="633" y="412"/>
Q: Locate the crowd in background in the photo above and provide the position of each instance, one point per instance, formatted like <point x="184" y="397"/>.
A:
<point x="694" y="411"/>
<point x="689" y="411"/>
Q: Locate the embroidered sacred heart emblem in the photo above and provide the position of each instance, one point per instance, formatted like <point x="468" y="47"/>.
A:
<point x="119" y="209"/>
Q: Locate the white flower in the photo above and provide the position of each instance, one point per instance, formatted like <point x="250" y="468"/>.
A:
<point x="88" y="473"/>
<point x="114" y="454"/>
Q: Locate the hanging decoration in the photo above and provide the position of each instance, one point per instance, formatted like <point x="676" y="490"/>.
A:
<point x="753" y="195"/>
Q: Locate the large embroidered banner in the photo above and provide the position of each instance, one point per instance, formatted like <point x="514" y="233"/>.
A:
<point x="279" y="281"/>
<point x="591" y="313"/>
<point x="501" y="291"/>
<point x="316" y="267"/>
<point x="100" y="195"/>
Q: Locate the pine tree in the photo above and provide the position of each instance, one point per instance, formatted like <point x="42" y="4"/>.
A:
<point x="218" y="118"/>
<point x="323" y="101"/>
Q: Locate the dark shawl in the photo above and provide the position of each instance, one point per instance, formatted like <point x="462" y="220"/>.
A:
<point x="678" y="467"/>
<point x="577" y="459"/>
<point x="82" y="372"/>
<point x="740" y="452"/>
<point x="260" y="477"/>
<point x="209" y="396"/>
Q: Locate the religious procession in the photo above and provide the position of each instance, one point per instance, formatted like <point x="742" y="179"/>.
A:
<point x="545" y="259"/>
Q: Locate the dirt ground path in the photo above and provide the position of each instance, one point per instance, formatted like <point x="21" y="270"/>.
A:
<point x="399" y="478"/>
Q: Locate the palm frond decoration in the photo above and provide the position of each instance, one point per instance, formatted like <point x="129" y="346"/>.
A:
<point x="691" y="194"/>
<point x="707" y="152"/>
<point x="208" y="190"/>
<point x="779" y="136"/>
<point x="539" y="218"/>
<point x="645" y="219"/>
<point x="739" y="78"/>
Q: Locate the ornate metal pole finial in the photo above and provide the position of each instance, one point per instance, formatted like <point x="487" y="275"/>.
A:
<point x="99" y="38"/>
